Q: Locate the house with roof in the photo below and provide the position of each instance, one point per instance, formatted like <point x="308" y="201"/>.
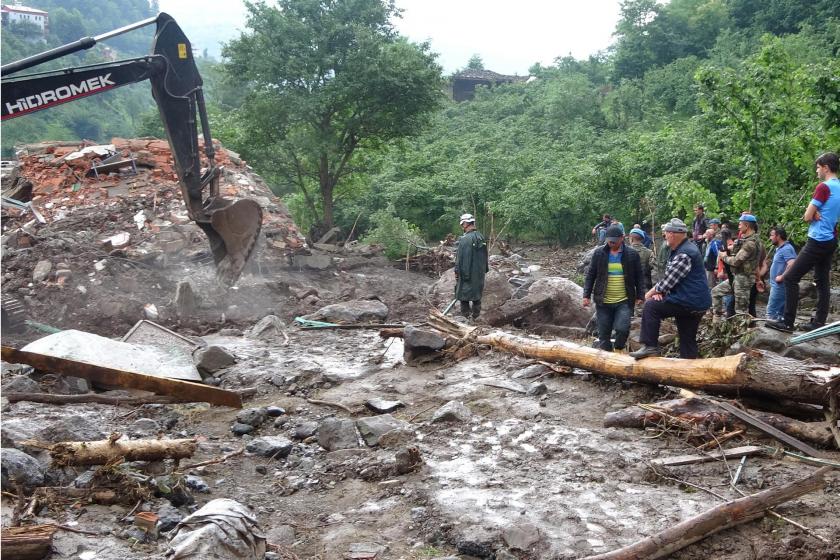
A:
<point x="465" y="82"/>
<point x="17" y="13"/>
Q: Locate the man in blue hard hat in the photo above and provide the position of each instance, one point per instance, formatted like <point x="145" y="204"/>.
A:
<point x="743" y="260"/>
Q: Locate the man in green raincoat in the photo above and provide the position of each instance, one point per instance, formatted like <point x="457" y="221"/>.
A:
<point x="470" y="267"/>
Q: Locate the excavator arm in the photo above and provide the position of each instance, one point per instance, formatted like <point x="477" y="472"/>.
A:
<point x="232" y="228"/>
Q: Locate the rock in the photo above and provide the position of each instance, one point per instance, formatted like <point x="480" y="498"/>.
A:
<point x="21" y="384"/>
<point x="185" y="299"/>
<point x="284" y="534"/>
<point x="196" y="483"/>
<point x="143" y="427"/>
<point x="280" y="421"/>
<point x="351" y="312"/>
<point x="521" y="536"/>
<point x="305" y="430"/>
<point x="382" y="406"/>
<point x="5" y="405"/>
<point x="428" y="339"/>
<point x="373" y="427"/>
<point x="365" y="551"/>
<point x="475" y="540"/>
<point x="253" y="416"/>
<point x="241" y="429"/>
<point x="418" y="513"/>
<point x="72" y="428"/>
<point x="821" y="351"/>
<point x="274" y="447"/>
<point x="19" y="468"/>
<point x="407" y="459"/>
<point x="566" y="297"/>
<point x="41" y="271"/>
<point x="213" y="358"/>
<point x="168" y="517"/>
<point x="531" y="371"/>
<point x="337" y="434"/>
<point x="764" y="338"/>
<point x="69" y="385"/>
<point x="274" y="411"/>
<point x="85" y="479"/>
<point x="314" y="262"/>
<point x="396" y="438"/>
<point x="537" y="389"/>
<point x="267" y="328"/>
<point x="15" y="430"/>
<point x="453" y="411"/>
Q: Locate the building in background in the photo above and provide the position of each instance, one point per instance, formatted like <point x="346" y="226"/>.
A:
<point x="465" y="82"/>
<point x="16" y="13"/>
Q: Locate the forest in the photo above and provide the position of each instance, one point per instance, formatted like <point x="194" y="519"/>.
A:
<point x="720" y="102"/>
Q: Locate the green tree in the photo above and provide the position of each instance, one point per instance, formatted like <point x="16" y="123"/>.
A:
<point x="475" y="63"/>
<point x="327" y="78"/>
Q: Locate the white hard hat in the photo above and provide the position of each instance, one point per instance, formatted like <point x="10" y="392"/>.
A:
<point x="467" y="218"/>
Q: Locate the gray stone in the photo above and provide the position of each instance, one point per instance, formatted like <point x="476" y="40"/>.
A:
<point x="531" y="371"/>
<point x="382" y="406"/>
<point x="5" y="405"/>
<point x="314" y="262"/>
<point x="374" y="427"/>
<point x="284" y="534"/>
<point x="418" y="513"/>
<point x="213" y="358"/>
<point x="241" y="429"/>
<point x="521" y="536"/>
<point x="764" y="338"/>
<point x="426" y="339"/>
<point x="21" y="384"/>
<point x="566" y="300"/>
<point x="274" y="447"/>
<point x="168" y="517"/>
<point x="537" y="389"/>
<point x="185" y="300"/>
<point x="267" y="328"/>
<point x="15" y="430"/>
<point x="19" y="468"/>
<point x="819" y="351"/>
<point x="275" y="411"/>
<point x="453" y="411"/>
<point x="143" y="427"/>
<point x="334" y="433"/>
<point x="351" y="312"/>
<point x="396" y="438"/>
<point x="253" y="416"/>
<point x="85" y="479"/>
<point x="72" y="428"/>
<point x="305" y="430"/>
<point x="69" y="385"/>
<point x="41" y="271"/>
<point x="196" y="483"/>
<point x="475" y="540"/>
<point x="281" y="421"/>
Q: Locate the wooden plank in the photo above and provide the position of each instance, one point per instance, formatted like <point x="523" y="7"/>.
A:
<point x="182" y="391"/>
<point x="769" y="430"/>
<point x="733" y="453"/>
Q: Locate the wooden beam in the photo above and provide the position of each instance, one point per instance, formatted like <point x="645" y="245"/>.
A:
<point x="733" y="453"/>
<point x="182" y="391"/>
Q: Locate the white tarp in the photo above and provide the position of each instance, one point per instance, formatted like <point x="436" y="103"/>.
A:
<point x="221" y="530"/>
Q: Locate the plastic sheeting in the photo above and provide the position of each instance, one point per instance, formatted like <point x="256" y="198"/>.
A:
<point x="222" y="530"/>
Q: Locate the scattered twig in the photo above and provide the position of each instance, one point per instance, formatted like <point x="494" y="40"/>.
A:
<point x="330" y="403"/>
<point x="414" y="417"/>
<point x="215" y="461"/>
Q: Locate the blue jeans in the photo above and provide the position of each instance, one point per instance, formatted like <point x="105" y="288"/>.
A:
<point x="776" y="302"/>
<point x="613" y="317"/>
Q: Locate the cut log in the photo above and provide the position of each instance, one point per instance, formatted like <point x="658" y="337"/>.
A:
<point x="82" y="453"/>
<point x="27" y="543"/>
<point x="514" y="309"/>
<point x="754" y="373"/>
<point x="714" y="520"/>
<point x="182" y="391"/>
<point x="392" y="333"/>
<point x="701" y="412"/>
<point x="49" y="494"/>
<point x="49" y="398"/>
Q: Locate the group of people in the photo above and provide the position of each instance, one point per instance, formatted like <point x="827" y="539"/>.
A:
<point x="698" y="269"/>
<point x="701" y="267"/>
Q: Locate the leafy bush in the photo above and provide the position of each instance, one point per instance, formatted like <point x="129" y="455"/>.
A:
<point x="396" y="235"/>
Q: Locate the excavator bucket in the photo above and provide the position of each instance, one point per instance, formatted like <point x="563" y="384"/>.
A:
<point x="238" y="224"/>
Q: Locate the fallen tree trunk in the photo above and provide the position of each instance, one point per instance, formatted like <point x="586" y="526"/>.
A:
<point x="714" y="520"/>
<point x="82" y="453"/>
<point x="702" y="413"/>
<point x="754" y="373"/>
<point x="27" y="543"/>
<point x="49" y="494"/>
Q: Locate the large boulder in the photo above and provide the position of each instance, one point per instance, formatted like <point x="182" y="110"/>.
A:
<point x="497" y="290"/>
<point x="19" y="468"/>
<point x="337" y="434"/>
<point x="351" y="312"/>
<point x="566" y="300"/>
<point x="373" y="428"/>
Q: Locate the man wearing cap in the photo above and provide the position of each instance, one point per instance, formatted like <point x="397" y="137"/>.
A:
<point x="637" y="242"/>
<point x="471" y="265"/>
<point x="615" y="278"/>
<point x="822" y="215"/>
<point x="743" y="260"/>
<point x="682" y="293"/>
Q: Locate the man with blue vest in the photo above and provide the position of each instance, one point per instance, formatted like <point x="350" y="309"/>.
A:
<point x="822" y="214"/>
<point x="682" y="293"/>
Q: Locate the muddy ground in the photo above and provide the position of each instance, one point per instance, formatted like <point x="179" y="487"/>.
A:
<point x="523" y="477"/>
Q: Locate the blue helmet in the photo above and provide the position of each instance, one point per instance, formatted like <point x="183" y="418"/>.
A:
<point x="745" y="217"/>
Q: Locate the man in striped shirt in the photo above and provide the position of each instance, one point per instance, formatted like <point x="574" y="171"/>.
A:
<point x="615" y="277"/>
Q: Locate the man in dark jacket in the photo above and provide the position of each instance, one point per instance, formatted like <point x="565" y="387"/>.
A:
<point x="682" y="293"/>
<point x="699" y="227"/>
<point x="470" y="267"/>
<point x="615" y="278"/>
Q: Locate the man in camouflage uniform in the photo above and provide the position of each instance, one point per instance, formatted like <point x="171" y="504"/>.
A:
<point x="742" y="260"/>
<point x="637" y="242"/>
